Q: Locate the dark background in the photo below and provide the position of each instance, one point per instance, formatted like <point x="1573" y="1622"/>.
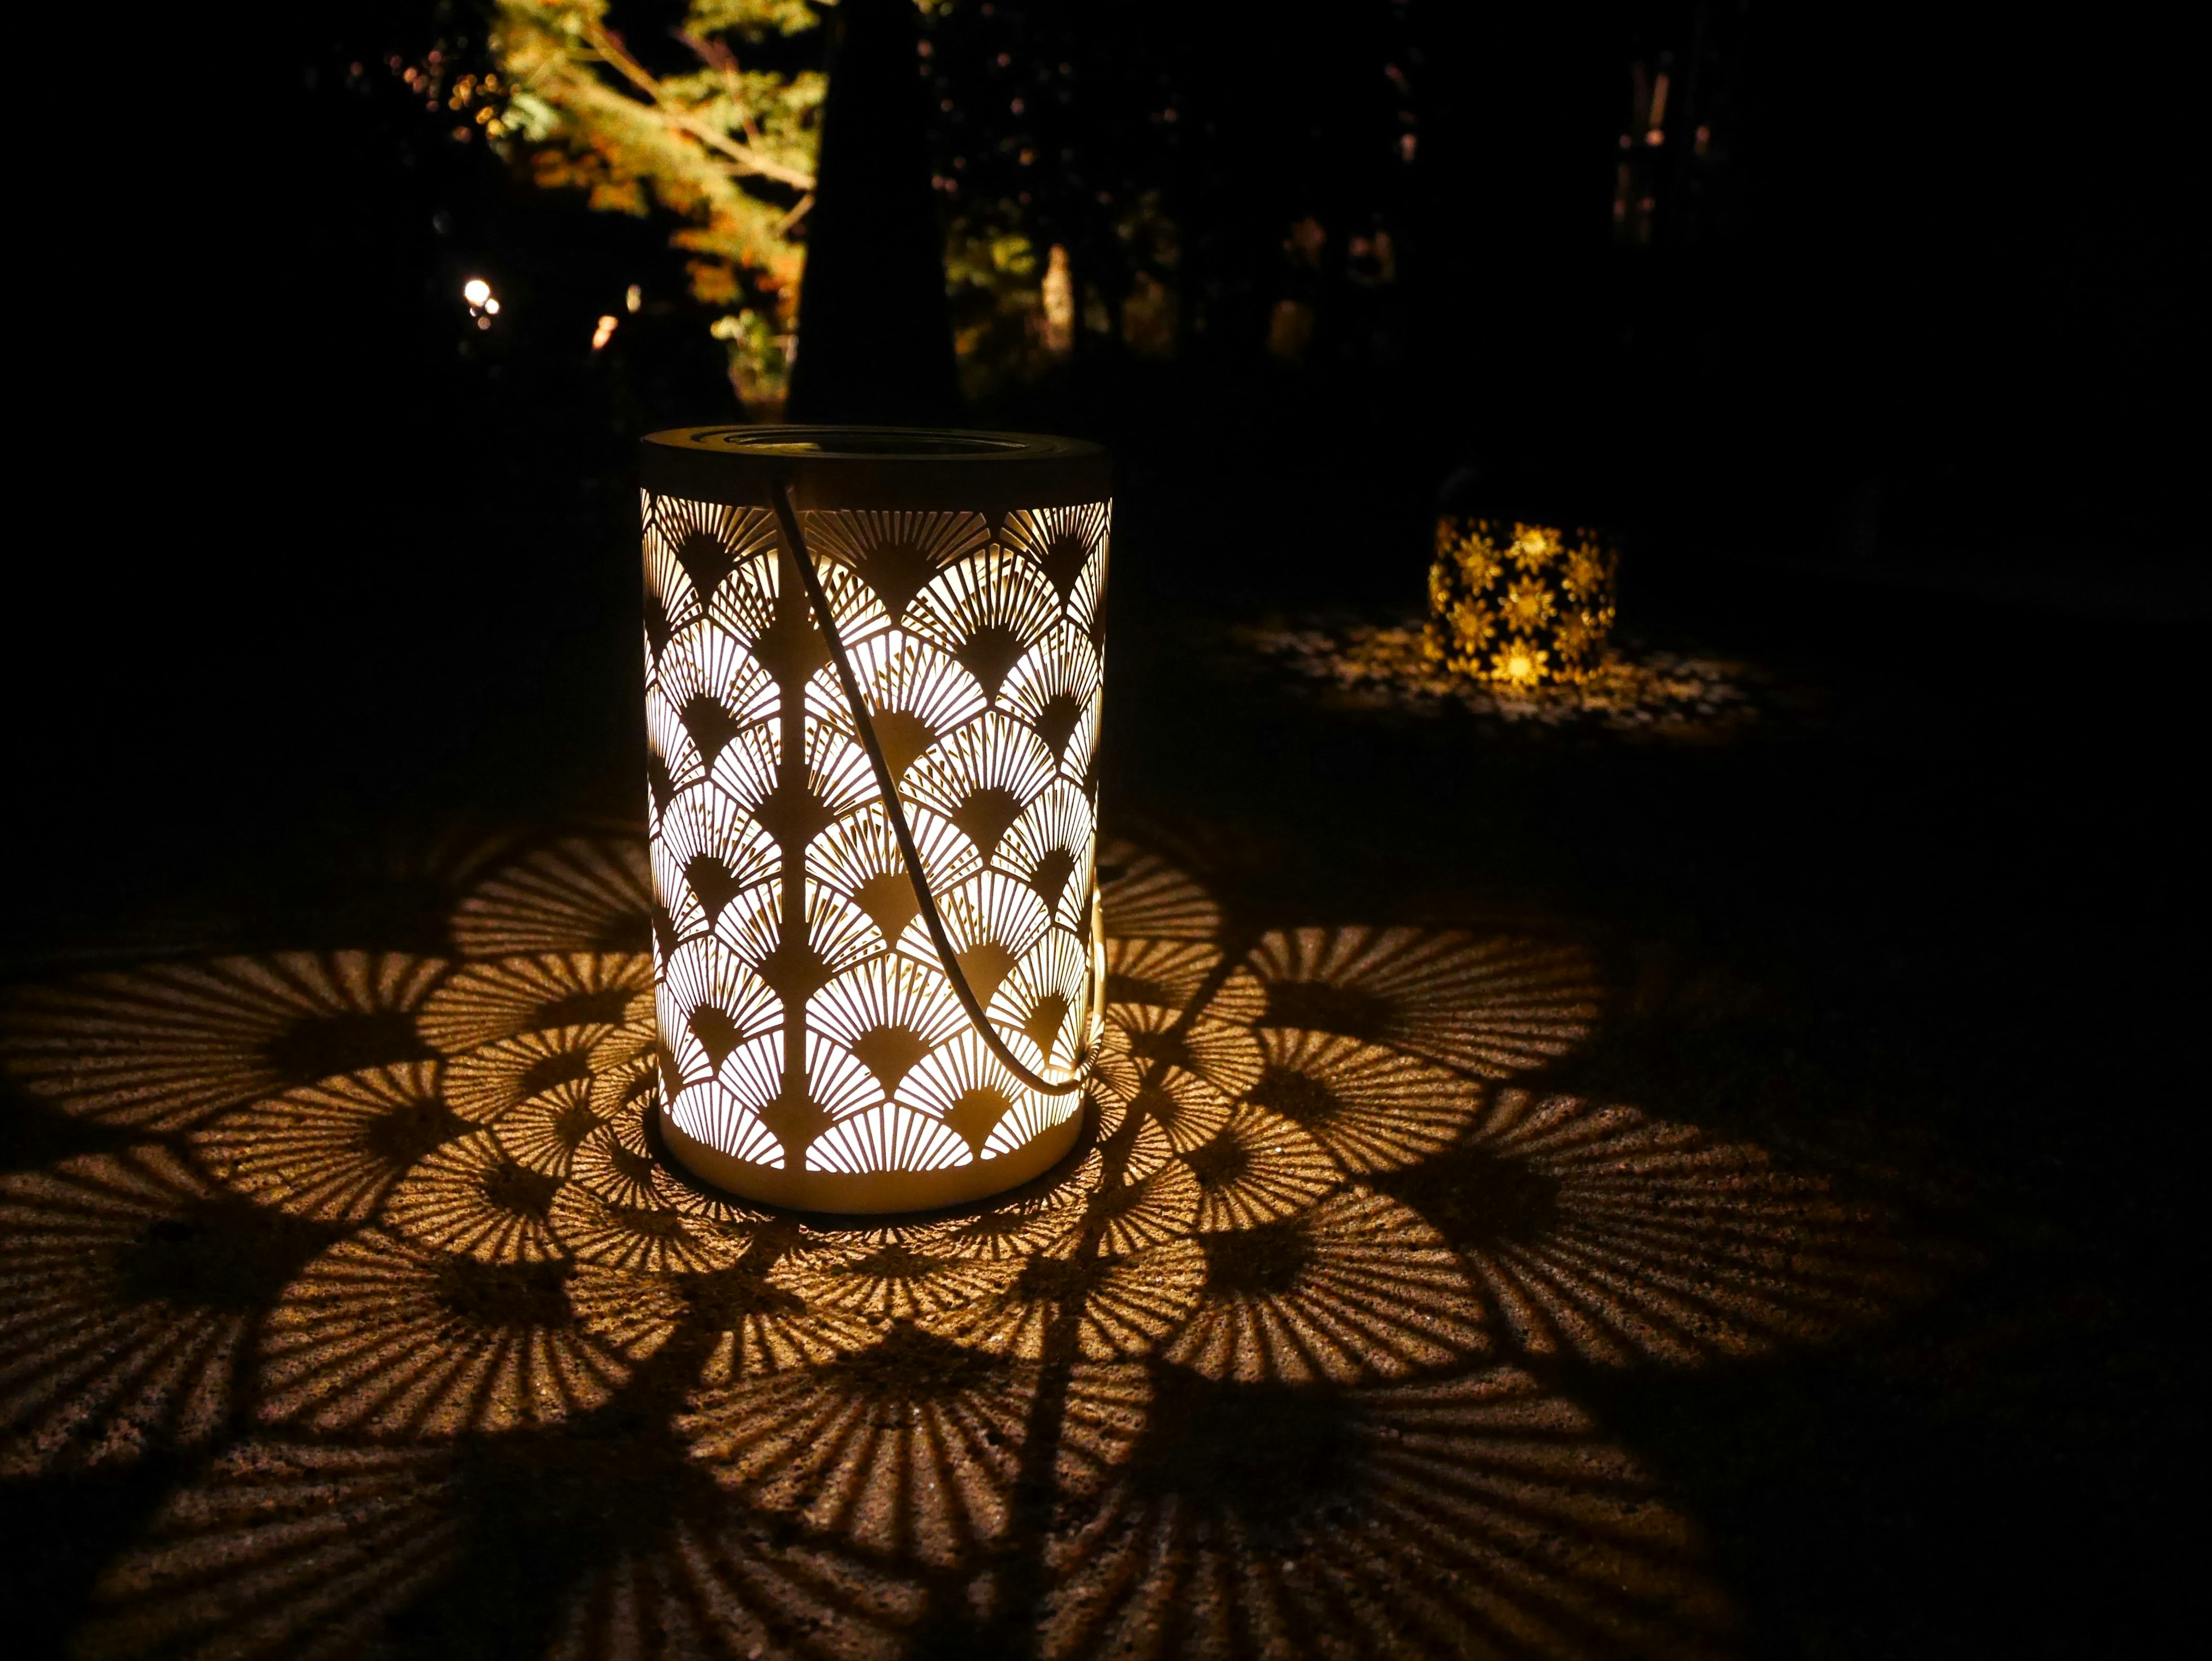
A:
<point x="314" y="584"/>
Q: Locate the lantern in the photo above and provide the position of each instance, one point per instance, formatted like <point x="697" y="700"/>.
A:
<point x="1520" y="604"/>
<point x="873" y="695"/>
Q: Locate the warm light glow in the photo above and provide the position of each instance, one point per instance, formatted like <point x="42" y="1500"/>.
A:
<point x="808" y="1024"/>
<point x="391" y="1257"/>
<point x="633" y="298"/>
<point x="476" y="291"/>
<point x="603" y="333"/>
<point x="1520" y="604"/>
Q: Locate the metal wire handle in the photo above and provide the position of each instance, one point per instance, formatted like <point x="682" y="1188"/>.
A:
<point x="795" y="546"/>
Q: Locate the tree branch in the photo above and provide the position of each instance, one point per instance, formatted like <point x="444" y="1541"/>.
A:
<point x="744" y="158"/>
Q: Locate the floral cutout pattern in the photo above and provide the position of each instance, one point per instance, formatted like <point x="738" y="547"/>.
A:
<point x="1517" y="604"/>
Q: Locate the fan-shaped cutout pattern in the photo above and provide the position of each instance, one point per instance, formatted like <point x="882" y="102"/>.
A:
<point x="709" y="851"/>
<point x="982" y="778"/>
<point x="1051" y="691"/>
<point x="1032" y="1009"/>
<point x="858" y="857"/>
<point x="988" y="613"/>
<point x="993" y="921"/>
<point x="887" y="1138"/>
<point x="711" y="1001"/>
<point x="895" y="554"/>
<point x="730" y="1119"/>
<point x="967" y="1088"/>
<point x="1050" y="847"/>
<point x="1068" y="546"/>
<point x="890" y="1012"/>
<point x="903" y="675"/>
<point x="691" y="548"/>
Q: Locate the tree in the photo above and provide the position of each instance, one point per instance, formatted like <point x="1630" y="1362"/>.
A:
<point x="728" y="148"/>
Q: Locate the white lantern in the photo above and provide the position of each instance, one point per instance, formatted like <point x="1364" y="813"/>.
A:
<point x="873" y="695"/>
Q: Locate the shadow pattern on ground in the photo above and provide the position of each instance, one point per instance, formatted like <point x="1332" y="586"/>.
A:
<point x="383" y="1250"/>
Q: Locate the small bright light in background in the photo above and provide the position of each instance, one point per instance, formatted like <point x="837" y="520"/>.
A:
<point x="605" y="332"/>
<point x="634" y="299"/>
<point x="482" y="306"/>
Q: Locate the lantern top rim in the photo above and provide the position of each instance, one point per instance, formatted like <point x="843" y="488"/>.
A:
<point x="858" y="467"/>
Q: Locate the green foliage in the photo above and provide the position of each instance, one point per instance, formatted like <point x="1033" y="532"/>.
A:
<point x="730" y="150"/>
<point x="994" y="275"/>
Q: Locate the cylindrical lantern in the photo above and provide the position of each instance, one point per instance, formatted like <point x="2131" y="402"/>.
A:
<point x="1520" y="603"/>
<point x="872" y="694"/>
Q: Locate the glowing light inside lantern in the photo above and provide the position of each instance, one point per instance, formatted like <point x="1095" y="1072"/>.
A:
<point x="815" y="1048"/>
<point x="1518" y="603"/>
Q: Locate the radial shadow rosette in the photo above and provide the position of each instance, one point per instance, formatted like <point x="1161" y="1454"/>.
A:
<point x="481" y="1003"/>
<point x="581" y="894"/>
<point x="1372" y="1108"/>
<point x="284" y="1550"/>
<point x="381" y="1335"/>
<point x="1490" y="1008"/>
<point x="1356" y="1289"/>
<point x="162" y="1048"/>
<point x="1597" y="1232"/>
<point x="1473" y="1516"/>
<point x="402" y="1269"/>
<point x="472" y="1197"/>
<point x="1146" y="897"/>
<point x="733" y="1586"/>
<point x="1258" y="1168"/>
<point x="331" y="1150"/>
<point x="126" y="1296"/>
<point x="910" y="1448"/>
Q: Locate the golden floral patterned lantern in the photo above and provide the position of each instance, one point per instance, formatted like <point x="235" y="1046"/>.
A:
<point x="872" y="696"/>
<point x="1517" y="604"/>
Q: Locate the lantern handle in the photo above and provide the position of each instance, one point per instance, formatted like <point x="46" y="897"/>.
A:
<point x="795" y="543"/>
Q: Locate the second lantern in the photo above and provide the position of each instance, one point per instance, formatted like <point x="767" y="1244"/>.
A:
<point x="873" y="695"/>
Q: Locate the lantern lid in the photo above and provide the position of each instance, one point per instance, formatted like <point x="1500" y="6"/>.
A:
<point x="875" y="467"/>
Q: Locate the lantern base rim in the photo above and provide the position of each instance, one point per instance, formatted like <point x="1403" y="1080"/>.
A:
<point x="869" y="1193"/>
